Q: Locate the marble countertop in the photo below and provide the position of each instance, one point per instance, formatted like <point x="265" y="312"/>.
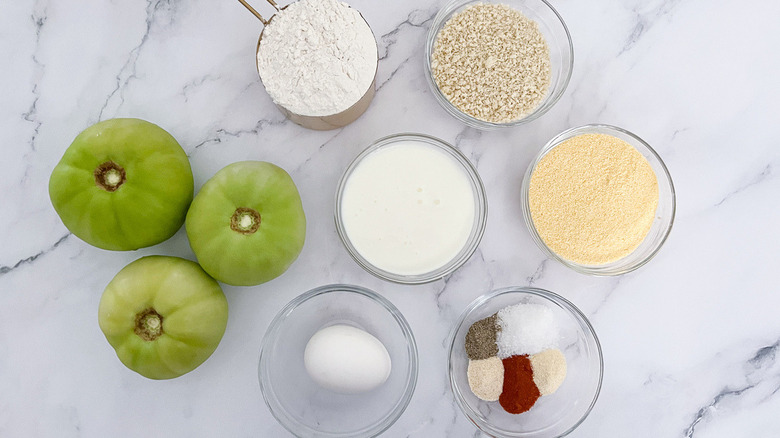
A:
<point x="691" y="340"/>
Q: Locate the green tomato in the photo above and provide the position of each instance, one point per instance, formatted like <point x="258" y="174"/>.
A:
<point x="246" y="225"/>
<point x="122" y="184"/>
<point x="163" y="315"/>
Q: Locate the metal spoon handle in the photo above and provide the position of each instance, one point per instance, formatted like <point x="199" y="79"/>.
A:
<point x="257" y="14"/>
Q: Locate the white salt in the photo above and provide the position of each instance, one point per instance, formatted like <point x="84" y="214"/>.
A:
<point x="525" y="329"/>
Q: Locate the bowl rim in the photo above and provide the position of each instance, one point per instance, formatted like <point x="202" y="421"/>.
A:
<point x="521" y="290"/>
<point x="272" y="335"/>
<point x="438" y="23"/>
<point x="480" y="213"/>
<point x="608" y="269"/>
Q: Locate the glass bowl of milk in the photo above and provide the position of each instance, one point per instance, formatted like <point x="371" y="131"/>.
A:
<point x="411" y="209"/>
<point x="295" y="393"/>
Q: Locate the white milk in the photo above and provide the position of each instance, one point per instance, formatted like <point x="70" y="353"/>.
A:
<point x="408" y="207"/>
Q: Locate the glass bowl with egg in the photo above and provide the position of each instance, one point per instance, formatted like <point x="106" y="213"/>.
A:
<point x="553" y="415"/>
<point x="489" y="76"/>
<point x="338" y="361"/>
<point x="583" y="200"/>
<point x="411" y="209"/>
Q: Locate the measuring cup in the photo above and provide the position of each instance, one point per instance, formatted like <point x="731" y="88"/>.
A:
<point x="321" y="123"/>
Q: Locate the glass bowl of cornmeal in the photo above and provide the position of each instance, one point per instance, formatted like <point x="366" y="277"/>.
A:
<point x="598" y="199"/>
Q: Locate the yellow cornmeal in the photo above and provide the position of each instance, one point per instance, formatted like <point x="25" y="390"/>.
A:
<point x="593" y="199"/>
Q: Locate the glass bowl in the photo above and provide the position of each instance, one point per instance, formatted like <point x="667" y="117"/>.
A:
<point x="308" y="410"/>
<point x="664" y="214"/>
<point x="553" y="415"/>
<point x="558" y="39"/>
<point x="477" y="229"/>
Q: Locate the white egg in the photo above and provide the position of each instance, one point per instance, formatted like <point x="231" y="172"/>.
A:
<point x="346" y="359"/>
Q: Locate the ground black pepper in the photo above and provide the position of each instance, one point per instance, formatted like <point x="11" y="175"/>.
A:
<point x="481" y="339"/>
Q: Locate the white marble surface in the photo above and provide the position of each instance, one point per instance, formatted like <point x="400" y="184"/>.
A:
<point x="691" y="341"/>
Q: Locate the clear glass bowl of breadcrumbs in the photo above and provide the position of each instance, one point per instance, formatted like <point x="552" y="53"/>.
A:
<point x="661" y="223"/>
<point x="555" y="33"/>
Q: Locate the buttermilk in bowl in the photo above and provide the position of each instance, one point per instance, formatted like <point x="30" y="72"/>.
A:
<point x="411" y="209"/>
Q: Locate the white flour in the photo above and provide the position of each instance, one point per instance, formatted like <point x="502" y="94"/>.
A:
<point x="317" y="57"/>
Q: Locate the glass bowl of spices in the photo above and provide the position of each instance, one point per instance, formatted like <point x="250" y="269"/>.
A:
<point x="338" y="361"/>
<point x="524" y="362"/>
<point x="411" y="209"/>
<point x="598" y="199"/>
<point x="317" y="59"/>
<point x="498" y="63"/>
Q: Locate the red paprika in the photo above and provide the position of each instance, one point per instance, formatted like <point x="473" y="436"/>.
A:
<point x="520" y="392"/>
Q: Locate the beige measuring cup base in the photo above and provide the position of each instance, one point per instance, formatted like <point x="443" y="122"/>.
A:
<point x="335" y="121"/>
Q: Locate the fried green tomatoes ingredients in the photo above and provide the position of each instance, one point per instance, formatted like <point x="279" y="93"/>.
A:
<point x="123" y="184"/>
<point x="247" y="225"/>
<point x="164" y="316"/>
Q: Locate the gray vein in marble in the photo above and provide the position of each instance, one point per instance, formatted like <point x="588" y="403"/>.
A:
<point x="455" y="412"/>
<point x="39" y="20"/>
<point x="441" y="306"/>
<point x="491" y="283"/>
<point x="29" y="260"/>
<point x="762" y="360"/>
<point x="579" y="85"/>
<point x="468" y="133"/>
<point x="417" y="18"/>
<point x="128" y="70"/>
<point x="392" y="74"/>
<point x="645" y="21"/>
<point x="615" y="284"/>
<point x="441" y="303"/>
<point x="222" y="134"/>
<point x="196" y="83"/>
<point x="319" y="149"/>
<point x="418" y="430"/>
<point x="764" y="355"/>
<point x="702" y="413"/>
<point x="538" y="273"/>
<point x="431" y="420"/>
<point x="764" y="175"/>
<point x="422" y="424"/>
<point x="594" y="115"/>
<point x="678" y="132"/>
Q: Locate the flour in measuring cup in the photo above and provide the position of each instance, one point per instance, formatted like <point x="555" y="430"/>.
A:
<point x="317" y="57"/>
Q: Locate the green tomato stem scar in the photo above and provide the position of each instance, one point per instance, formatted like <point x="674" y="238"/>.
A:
<point x="148" y="324"/>
<point x="109" y="176"/>
<point x="245" y="220"/>
<point x="113" y="177"/>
